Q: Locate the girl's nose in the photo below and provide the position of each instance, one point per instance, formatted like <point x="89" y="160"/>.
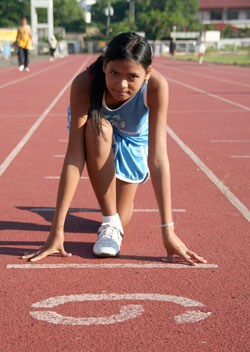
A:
<point x="124" y="83"/>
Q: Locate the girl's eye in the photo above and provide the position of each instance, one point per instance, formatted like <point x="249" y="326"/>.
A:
<point x="113" y="73"/>
<point x="133" y="76"/>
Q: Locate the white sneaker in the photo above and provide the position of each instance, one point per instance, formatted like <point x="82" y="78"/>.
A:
<point x="109" y="241"/>
<point x="21" y="67"/>
<point x="27" y="69"/>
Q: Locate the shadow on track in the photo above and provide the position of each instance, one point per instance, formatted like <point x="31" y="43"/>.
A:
<point x="73" y="224"/>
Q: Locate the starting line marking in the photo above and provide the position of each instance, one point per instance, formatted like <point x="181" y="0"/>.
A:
<point x="240" y="156"/>
<point x="58" y="177"/>
<point x="85" y="210"/>
<point x="229" y="141"/>
<point x="126" y="312"/>
<point x="245" y="212"/>
<point x="112" y="266"/>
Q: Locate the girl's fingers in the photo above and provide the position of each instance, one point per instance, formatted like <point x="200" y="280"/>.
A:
<point x="170" y="259"/>
<point x="197" y="257"/>
<point x="189" y="260"/>
<point x="65" y="254"/>
<point x="42" y="255"/>
<point x="30" y="255"/>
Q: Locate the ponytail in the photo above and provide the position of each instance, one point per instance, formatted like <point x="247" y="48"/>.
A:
<point x="97" y="91"/>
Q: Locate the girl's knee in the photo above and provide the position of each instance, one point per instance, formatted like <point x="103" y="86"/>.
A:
<point x="98" y="144"/>
<point x="92" y="133"/>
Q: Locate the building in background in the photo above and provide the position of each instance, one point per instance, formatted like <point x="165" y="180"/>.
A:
<point x="235" y="13"/>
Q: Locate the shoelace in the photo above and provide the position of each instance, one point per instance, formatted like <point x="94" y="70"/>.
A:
<point x="108" y="231"/>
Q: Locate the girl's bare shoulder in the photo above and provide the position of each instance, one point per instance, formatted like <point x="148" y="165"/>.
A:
<point x="80" y="94"/>
<point x="157" y="82"/>
<point x="81" y="84"/>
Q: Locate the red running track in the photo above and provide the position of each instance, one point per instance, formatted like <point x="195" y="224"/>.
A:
<point x="134" y="302"/>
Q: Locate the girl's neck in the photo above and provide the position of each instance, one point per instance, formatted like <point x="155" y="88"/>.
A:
<point x="111" y="102"/>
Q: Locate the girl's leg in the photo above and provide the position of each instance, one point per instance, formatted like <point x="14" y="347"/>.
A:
<point x="125" y="194"/>
<point x="20" y="56"/>
<point x="101" y="169"/>
<point x="26" y="58"/>
<point x="100" y="164"/>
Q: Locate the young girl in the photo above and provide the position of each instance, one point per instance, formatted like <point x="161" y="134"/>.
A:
<point x="118" y="126"/>
<point x="24" y="41"/>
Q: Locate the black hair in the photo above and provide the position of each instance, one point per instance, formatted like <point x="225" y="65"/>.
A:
<point x="124" y="46"/>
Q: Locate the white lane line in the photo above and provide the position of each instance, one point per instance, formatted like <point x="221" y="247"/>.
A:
<point x="245" y="212"/>
<point x="181" y="112"/>
<point x="240" y="156"/>
<point x="28" y="76"/>
<point x="112" y="266"/>
<point x="215" y="96"/>
<point x="37" y="123"/>
<point x="15" y="69"/>
<point x="59" y="114"/>
<point x="239" y="73"/>
<point x="86" y="210"/>
<point x="58" y="177"/>
<point x="192" y="73"/>
<point x="58" y="156"/>
<point x="230" y="141"/>
<point x="21" y="116"/>
<point x="157" y="210"/>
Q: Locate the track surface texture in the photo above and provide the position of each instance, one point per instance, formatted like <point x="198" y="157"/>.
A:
<point x="134" y="302"/>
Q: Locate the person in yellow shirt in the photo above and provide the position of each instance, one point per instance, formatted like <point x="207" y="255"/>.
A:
<point x="24" y="41"/>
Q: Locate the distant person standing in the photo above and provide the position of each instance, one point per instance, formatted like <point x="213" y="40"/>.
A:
<point x="172" y="47"/>
<point x="201" y="47"/>
<point x="24" y="41"/>
<point x="52" y="47"/>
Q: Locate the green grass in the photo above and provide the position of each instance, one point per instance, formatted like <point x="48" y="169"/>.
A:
<point x="230" y="59"/>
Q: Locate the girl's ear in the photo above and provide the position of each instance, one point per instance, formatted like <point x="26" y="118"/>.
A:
<point x="148" y="72"/>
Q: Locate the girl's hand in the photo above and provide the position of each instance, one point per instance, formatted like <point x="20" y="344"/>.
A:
<point x="53" y="245"/>
<point x="175" y="247"/>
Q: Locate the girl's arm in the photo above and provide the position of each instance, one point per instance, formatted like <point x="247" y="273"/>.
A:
<point x="159" y="167"/>
<point x="72" y="168"/>
<point x="17" y="35"/>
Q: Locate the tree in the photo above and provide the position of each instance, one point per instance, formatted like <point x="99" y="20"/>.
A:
<point x="67" y="14"/>
<point x="11" y="12"/>
<point x="154" y="17"/>
<point x="157" y="18"/>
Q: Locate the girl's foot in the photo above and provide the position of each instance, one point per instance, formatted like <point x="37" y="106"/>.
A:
<point x="109" y="241"/>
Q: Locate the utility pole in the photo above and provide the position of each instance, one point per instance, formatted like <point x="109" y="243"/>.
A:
<point x="132" y="14"/>
<point x="109" y="11"/>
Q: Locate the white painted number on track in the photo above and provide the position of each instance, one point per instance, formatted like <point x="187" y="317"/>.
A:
<point x="126" y="312"/>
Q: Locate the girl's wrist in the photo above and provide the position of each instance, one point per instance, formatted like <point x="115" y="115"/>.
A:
<point x="167" y="229"/>
<point x="167" y="225"/>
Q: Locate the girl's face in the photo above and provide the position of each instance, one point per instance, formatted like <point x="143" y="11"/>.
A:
<point x="124" y="79"/>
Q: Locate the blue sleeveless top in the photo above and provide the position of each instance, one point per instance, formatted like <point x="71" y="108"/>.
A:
<point x="130" y="131"/>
